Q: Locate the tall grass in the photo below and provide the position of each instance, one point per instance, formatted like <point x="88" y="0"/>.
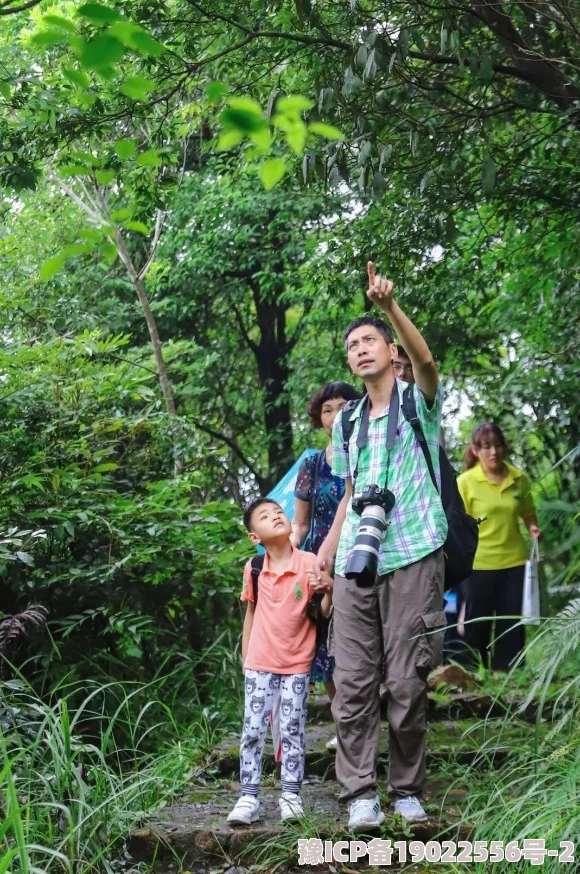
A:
<point x="78" y="774"/>
<point x="536" y="794"/>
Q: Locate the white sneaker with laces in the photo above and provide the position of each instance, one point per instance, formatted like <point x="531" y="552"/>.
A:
<point x="332" y="743"/>
<point x="365" y="813"/>
<point x="410" y="808"/>
<point x="246" y="811"/>
<point x="290" y="806"/>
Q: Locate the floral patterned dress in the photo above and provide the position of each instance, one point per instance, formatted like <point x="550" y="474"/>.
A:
<point x="316" y="484"/>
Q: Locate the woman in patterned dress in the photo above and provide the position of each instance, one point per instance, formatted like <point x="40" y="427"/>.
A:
<point x="317" y="496"/>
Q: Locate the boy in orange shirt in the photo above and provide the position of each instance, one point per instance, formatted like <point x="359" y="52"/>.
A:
<point x="278" y="646"/>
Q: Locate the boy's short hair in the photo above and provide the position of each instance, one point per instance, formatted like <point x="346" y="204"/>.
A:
<point x="329" y="392"/>
<point x="402" y="352"/>
<point x="251" y="509"/>
<point x="380" y="325"/>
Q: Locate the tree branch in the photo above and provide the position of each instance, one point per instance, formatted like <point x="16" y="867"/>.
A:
<point x="158" y="226"/>
<point x="5" y="10"/>
<point x="231" y="443"/>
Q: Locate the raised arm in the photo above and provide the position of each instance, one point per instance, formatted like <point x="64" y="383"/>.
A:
<point x="381" y="292"/>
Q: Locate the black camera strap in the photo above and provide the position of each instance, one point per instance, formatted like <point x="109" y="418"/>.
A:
<point x="393" y="423"/>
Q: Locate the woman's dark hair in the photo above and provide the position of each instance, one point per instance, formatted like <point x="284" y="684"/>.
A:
<point x="477" y="438"/>
<point x="327" y="393"/>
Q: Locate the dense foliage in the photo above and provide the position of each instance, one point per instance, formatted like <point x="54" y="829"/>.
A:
<point x="189" y="194"/>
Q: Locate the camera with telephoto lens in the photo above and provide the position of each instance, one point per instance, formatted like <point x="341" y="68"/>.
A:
<point x="373" y="507"/>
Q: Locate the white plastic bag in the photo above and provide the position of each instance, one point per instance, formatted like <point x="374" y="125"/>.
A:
<point x="531" y="596"/>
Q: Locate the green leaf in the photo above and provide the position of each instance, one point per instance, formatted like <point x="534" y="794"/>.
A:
<point x="25" y="557"/>
<point x="136" y="226"/>
<point x="215" y="91"/>
<point x="294" y="105"/>
<point x="137" y="87"/>
<point x="379" y="184"/>
<point x="45" y="38"/>
<point x="125" y="149"/>
<point x="244" y="115"/>
<point x="5" y="90"/>
<point x="150" y="158"/>
<point x="328" y="131"/>
<point x="72" y="170"/>
<point x="485" y="69"/>
<point x="77" y="77"/>
<point x="101" y="51"/>
<point x="229" y="139"/>
<point x="59" y="21"/>
<point x="105" y="467"/>
<point x="263" y="139"/>
<point x="488" y="176"/>
<point x="121" y="215"/>
<point x="103" y="177"/>
<point x="98" y="13"/>
<point x="296" y="138"/>
<point x="109" y="251"/>
<point x="86" y="158"/>
<point x="77" y="249"/>
<point x="352" y="83"/>
<point x="271" y="172"/>
<point x="51" y="267"/>
<point x="146" y="45"/>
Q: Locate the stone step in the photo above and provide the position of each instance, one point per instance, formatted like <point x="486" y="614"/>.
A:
<point x="460" y="742"/>
<point x="442" y="706"/>
<point x="195" y="831"/>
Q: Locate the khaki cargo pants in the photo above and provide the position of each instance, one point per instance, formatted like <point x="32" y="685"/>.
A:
<point x="386" y="625"/>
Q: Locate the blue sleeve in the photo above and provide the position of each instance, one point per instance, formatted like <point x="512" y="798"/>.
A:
<point x="305" y="479"/>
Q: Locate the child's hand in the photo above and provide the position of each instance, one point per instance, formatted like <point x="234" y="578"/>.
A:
<point x="324" y="584"/>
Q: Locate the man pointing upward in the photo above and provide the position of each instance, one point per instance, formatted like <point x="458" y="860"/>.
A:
<point x="385" y="626"/>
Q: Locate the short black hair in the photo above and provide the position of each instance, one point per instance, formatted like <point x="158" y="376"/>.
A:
<point x="329" y="392"/>
<point x="379" y="324"/>
<point x="402" y="352"/>
<point x="251" y="509"/>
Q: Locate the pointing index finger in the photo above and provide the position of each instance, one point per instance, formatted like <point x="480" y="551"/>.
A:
<point x="371" y="272"/>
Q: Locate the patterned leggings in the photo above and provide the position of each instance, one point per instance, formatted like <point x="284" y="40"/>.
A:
<point x="262" y="691"/>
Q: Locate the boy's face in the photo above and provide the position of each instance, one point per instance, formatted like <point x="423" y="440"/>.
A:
<point x="269" y="523"/>
<point x="369" y="355"/>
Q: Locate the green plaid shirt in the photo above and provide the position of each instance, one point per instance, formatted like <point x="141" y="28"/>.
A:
<point x="418" y="525"/>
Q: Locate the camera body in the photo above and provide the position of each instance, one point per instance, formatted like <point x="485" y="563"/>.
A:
<point x="371" y="496"/>
<point x="372" y="506"/>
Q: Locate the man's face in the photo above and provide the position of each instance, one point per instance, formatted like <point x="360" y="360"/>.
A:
<point x="269" y="523"/>
<point x="369" y="354"/>
<point x="403" y="368"/>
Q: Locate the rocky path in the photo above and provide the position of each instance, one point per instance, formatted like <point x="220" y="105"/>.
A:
<point x="193" y="835"/>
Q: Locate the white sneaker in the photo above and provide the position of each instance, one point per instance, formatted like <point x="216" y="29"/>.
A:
<point x="365" y="813"/>
<point x="246" y="811"/>
<point x="290" y="806"/>
<point x="410" y="808"/>
<point x="332" y="743"/>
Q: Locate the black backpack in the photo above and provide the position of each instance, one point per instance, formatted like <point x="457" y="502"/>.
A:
<point x="462" y="534"/>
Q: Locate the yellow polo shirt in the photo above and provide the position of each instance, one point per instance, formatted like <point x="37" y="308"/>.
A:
<point x="501" y="543"/>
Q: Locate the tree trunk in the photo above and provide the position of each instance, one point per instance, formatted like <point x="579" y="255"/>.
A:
<point x="154" y="335"/>
<point x="272" y="359"/>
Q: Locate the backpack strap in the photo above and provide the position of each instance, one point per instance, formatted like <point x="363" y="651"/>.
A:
<point x="257" y="565"/>
<point x="347" y="423"/>
<point x="410" y="414"/>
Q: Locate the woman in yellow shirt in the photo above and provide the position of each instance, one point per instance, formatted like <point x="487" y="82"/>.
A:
<point x="498" y="493"/>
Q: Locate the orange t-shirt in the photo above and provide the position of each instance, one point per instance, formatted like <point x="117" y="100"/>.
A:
<point x="283" y="638"/>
